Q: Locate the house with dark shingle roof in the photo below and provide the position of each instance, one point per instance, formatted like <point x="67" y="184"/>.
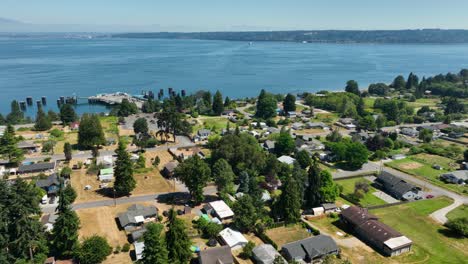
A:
<point x="136" y="216"/>
<point x="382" y="237"/>
<point x="397" y="187"/>
<point x="310" y="249"/>
<point x="217" y="255"/>
<point x="36" y="167"/>
<point x="168" y="170"/>
<point x="51" y="184"/>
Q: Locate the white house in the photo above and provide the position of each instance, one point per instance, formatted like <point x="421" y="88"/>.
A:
<point x="106" y="161"/>
<point x="234" y="239"/>
<point x="139" y="248"/>
<point x="221" y="209"/>
<point x="286" y="159"/>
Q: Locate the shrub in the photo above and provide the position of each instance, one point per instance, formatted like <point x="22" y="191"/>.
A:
<point x="56" y="133"/>
<point x="126" y="247"/>
<point x="459" y="226"/>
<point x="247" y="250"/>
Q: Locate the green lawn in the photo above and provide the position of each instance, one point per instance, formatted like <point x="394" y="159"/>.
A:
<point x="367" y="200"/>
<point x="421" y="165"/>
<point x="109" y="125"/>
<point x="215" y="124"/>
<point x="369" y="103"/>
<point x="329" y="118"/>
<point x="431" y="102"/>
<point x="460" y="211"/>
<point x="431" y="245"/>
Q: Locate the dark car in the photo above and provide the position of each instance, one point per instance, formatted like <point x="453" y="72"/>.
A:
<point x="429" y="196"/>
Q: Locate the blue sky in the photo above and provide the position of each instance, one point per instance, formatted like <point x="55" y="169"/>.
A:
<point x="206" y="15"/>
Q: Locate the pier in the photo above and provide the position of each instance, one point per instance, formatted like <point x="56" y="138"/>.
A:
<point x="115" y="98"/>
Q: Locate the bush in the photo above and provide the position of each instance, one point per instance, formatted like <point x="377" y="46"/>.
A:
<point x="459" y="226"/>
<point x="126" y="247"/>
<point x="117" y="250"/>
<point x="56" y="133"/>
<point x="247" y="250"/>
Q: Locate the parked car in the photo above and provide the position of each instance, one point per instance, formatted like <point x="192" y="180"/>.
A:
<point x="429" y="196"/>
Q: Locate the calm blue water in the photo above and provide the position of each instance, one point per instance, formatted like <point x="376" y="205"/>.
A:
<point x="62" y="67"/>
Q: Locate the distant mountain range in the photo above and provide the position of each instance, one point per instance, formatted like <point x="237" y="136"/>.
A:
<point x="442" y="36"/>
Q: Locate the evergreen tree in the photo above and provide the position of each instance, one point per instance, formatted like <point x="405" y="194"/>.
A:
<point x="227" y="102"/>
<point x="218" y="106"/>
<point x="289" y="103"/>
<point x="399" y="83"/>
<point x="244" y="180"/>
<point x="290" y="201"/>
<point x="123" y="171"/>
<point x="9" y="146"/>
<point x="65" y="233"/>
<point x="43" y="122"/>
<point x="177" y="241"/>
<point x="360" y="107"/>
<point x="155" y="251"/>
<point x="300" y="175"/>
<point x="412" y="82"/>
<point x="21" y="233"/>
<point x="53" y="116"/>
<point x="328" y="189"/>
<point x="67" y="114"/>
<point x="195" y="174"/>
<point x="15" y="116"/>
<point x="352" y="87"/>
<point x="223" y="176"/>
<point x="2" y="120"/>
<point x="303" y="158"/>
<point x="285" y="144"/>
<point x="381" y="121"/>
<point x="266" y="105"/>
<point x="90" y="133"/>
<point x="67" y="151"/>
<point x="312" y="193"/>
<point x="245" y="214"/>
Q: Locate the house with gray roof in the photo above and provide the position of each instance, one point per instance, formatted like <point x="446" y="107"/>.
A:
<point x="51" y="184"/>
<point x="456" y="177"/>
<point x="310" y="249"/>
<point x="136" y="216"/>
<point x="202" y="134"/>
<point x="265" y="254"/>
<point x="397" y="187"/>
<point x="269" y="145"/>
<point x="36" y="167"/>
<point x="217" y="255"/>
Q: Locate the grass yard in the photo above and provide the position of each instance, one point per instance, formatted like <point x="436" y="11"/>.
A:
<point x="285" y="234"/>
<point x="328" y="118"/>
<point x="151" y="182"/>
<point x="421" y="165"/>
<point x="430" y="243"/>
<point x="431" y="102"/>
<point x="369" y="103"/>
<point x="460" y="211"/>
<point x="71" y="138"/>
<point x="214" y="123"/>
<point x="369" y="199"/>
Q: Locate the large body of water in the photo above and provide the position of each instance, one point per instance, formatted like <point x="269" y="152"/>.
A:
<point x="62" y="67"/>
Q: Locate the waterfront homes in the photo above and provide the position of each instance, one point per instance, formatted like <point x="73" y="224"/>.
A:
<point x="380" y="236"/>
<point x="218" y="255"/>
<point x="397" y="187"/>
<point x="456" y="177"/>
<point x="232" y="238"/>
<point x="136" y="215"/>
<point x="310" y="249"/>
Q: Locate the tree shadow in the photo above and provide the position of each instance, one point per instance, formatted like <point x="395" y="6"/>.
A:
<point x="450" y="233"/>
<point x="176" y="198"/>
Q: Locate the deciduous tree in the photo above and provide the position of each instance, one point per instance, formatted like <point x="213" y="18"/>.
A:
<point x="67" y="151"/>
<point x="140" y="126"/>
<point x="90" y="133"/>
<point x="223" y="176"/>
<point x="94" y="249"/>
<point x="352" y="87"/>
<point x="195" y="174"/>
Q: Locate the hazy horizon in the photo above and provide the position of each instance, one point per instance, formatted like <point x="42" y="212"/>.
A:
<point x="242" y="15"/>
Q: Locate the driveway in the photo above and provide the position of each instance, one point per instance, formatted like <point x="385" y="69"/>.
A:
<point x="368" y="168"/>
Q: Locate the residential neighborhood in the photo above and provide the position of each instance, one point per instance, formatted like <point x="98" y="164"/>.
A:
<point x="276" y="180"/>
